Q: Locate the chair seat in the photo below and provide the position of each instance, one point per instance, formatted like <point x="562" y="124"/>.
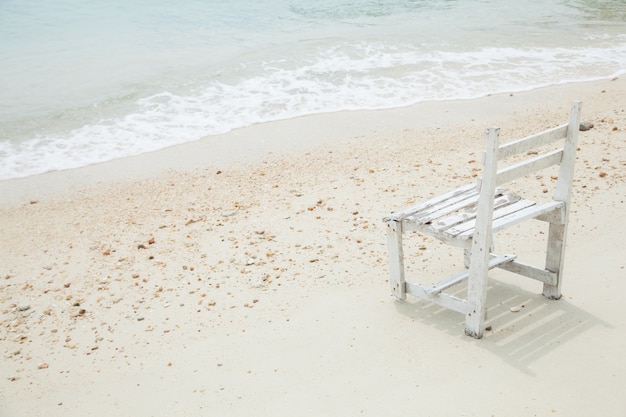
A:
<point x="452" y="216"/>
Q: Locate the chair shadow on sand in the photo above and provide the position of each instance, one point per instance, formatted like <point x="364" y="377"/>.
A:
<point x="519" y="338"/>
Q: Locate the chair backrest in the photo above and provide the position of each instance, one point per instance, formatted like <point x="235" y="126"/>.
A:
<point x="532" y="161"/>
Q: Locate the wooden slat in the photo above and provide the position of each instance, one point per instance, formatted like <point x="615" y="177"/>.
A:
<point x="530" y="271"/>
<point x="399" y="215"/>
<point x="526" y="167"/>
<point x="511" y="215"/>
<point x="428" y="230"/>
<point x="466" y="230"/>
<point x="466" y="201"/>
<point x="468" y="214"/>
<point x="445" y="207"/>
<point x="445" y="300"/>
<point x="533" y="141"/>
<point x="525" y="214"/>
<point x="461" y="276"/>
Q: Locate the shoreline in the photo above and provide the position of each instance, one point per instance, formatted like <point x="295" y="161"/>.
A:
<point x="256" y="141"/>
<point x="204" y="279"/>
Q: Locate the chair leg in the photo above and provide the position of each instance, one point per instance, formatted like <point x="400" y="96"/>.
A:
<point x="396" y="259"/>
<point x="477" y="287"/>
<point x="467" y="254"/>
<point x="554" y="259"/>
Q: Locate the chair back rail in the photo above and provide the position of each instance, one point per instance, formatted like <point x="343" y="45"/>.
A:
<point x="532" y="142"/>
<point x="564" y="155"/>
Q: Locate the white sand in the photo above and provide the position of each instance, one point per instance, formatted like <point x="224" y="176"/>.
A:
<point x="247" y="275"/>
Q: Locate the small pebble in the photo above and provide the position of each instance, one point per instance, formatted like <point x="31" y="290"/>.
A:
<point x="23" y="307"/>
<point x="584" y="126"/>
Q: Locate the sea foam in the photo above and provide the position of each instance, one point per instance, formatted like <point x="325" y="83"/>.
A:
<point x="149" y="99"/>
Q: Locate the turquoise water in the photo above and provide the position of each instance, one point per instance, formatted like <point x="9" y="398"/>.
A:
<point x="82" y="83"/>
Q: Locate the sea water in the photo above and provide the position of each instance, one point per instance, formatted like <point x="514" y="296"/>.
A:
<point x="85" y="82"/>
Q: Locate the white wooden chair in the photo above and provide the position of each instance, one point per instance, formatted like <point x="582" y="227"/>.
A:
<point x="467" y="217"/>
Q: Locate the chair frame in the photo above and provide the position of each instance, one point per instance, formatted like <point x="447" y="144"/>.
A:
<point x="468" y="217"/>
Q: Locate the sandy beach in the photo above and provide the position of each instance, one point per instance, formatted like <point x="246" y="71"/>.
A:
<point x="246" y="274"/>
